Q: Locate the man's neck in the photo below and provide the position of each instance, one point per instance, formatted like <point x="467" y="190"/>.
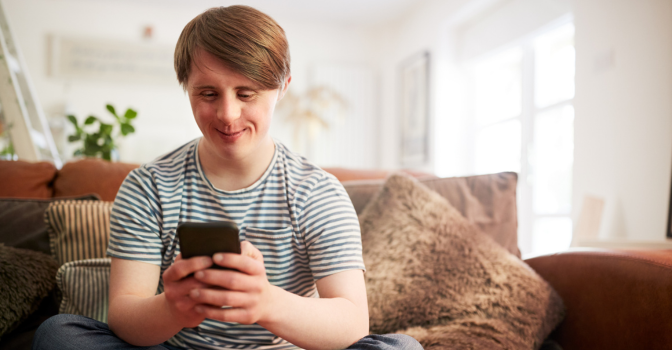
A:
<point x="235" y="174"/>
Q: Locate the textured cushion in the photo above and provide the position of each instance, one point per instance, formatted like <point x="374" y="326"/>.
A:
<point x="20" y="179"/>
<point x="488" y="201"/>
<point x="78" y="229"/>
<point x="22" y="222"/>
<point x="433" y="275"/>
<point x="84" y="285"/>
<point x="26" y="277"/>
<point x="91" y="175"/>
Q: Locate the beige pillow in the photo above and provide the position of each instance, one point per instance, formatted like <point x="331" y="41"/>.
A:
<point x="85" y="288"/>
<point x="78" y="229"/>
<point x="431" y="274"/>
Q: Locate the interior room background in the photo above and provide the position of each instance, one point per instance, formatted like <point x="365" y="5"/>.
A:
<point x="575" y="96"/>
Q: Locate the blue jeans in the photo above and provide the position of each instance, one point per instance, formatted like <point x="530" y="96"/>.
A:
<point x="79" y="332"/>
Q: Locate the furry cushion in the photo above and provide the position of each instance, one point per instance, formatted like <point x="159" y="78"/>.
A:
<point x="26" y="277"/>
<point x="434" y="276"/>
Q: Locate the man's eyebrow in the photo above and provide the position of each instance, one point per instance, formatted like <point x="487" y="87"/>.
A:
<point x="204" y="87"/>
<point x="242" y="87"/>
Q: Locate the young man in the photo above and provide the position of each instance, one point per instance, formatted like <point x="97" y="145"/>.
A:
<point x="299" y="280"/>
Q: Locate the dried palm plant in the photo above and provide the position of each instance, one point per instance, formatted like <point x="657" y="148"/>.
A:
<point x="316" y="110"/>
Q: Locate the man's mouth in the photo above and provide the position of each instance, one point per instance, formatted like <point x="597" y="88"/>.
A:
<point x="230" y="133"/>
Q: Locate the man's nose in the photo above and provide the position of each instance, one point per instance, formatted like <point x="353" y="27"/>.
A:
<point x="229" y="110"/>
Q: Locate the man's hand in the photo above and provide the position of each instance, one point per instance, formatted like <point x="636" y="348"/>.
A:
<point x="177" y="287"/>
<point x="246" y="291"/>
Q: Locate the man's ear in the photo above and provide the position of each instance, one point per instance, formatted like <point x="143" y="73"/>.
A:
<point x="284" y="88"/>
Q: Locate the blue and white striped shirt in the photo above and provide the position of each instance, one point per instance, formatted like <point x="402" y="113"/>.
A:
<point x="296" y="214"/>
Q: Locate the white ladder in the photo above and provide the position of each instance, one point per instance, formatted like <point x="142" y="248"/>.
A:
<point x="19" y="107"/>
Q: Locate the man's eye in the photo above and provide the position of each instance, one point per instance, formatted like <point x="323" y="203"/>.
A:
<point x="208" y="94"/>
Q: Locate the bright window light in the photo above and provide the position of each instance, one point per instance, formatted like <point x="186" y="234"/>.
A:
<point x="497" y="148"/>
<point x="552" y="161"/>
<point x="554" y="66"/>
<point x="551" y="235"/>
<point x="522" y="120"/>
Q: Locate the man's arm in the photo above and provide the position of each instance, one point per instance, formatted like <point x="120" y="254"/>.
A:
<point x="339" y="318"/>
<point x="336" y="320"/>
<point x="140" y="317"/>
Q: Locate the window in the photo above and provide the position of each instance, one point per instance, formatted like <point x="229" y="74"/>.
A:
<point x="522" y="120"/>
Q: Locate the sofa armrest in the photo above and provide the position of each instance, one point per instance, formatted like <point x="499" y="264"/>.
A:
<point x="615" y="299"/>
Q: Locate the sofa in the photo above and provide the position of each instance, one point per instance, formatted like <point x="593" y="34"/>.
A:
<point x="613" y="299"/>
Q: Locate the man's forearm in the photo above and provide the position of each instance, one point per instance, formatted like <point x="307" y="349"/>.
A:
<point x="315" y="323"/>
<point x="142" y="321"/>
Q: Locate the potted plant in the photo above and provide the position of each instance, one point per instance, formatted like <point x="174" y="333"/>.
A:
<point x="101" y="142"/>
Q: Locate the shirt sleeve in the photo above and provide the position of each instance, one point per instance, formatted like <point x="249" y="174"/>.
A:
<point x="135" y="220"/>
<point x="330" y="228"/>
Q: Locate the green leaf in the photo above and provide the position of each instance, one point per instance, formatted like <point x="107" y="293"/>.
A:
<point x="73" y="138"/>
<point x="105" y="129"/>
<point x="90" y="120"/>
<point x="73" y="120"/>
<point x="107" y="155"/>
<point x="111" y="109"/>
<point x="130" y="114"/>
<point x="78" y="152"/>
<point x="127" y="129"/>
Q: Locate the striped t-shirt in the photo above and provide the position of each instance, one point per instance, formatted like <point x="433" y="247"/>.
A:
<point x="296" y="214"/>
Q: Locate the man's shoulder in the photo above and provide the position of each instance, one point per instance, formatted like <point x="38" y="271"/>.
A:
<point x="168" y="164"/>
<point x="307" y="181"/>
<point x="303" y="172"/>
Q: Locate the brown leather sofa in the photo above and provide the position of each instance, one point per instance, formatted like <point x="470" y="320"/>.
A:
<point x="614" y="299"/>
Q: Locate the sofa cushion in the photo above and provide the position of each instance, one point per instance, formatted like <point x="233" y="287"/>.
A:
<point x="26" y="277"/>
<point x="91" y="175"/>
<point x="428" y="267"/>
<point x="488" y="201"/>
<point x="22" y="222"/>
<point x="78" y="229"/>
<point x="84" y="285"/>
<point x="346" y="174"/>
<point x="20" y="179"/>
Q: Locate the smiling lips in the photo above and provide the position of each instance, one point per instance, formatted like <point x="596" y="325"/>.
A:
<point x="230" y="136"/>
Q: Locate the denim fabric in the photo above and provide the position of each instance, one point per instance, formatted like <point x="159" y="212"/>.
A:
<point x="72" y="332"/>
<point x="386" y="342"/>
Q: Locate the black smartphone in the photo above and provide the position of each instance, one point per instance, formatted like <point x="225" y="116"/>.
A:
<point x="207" y="239"/>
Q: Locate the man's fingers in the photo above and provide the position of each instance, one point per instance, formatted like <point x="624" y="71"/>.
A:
<point x="248" y="249"/>
<point x="184" y="267"/>
<point x="250" y="261"/>
<point x="225" y="315"/>
<point x="219" y="297"/>
<point x="231" y="280"/>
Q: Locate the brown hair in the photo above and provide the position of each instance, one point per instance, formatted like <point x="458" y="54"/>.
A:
<point x="245" y="39"/>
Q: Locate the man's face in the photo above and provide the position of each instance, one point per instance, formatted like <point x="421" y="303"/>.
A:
<point x="233" y="112"/>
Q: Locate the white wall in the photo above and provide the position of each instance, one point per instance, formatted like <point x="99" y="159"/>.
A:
<point x="425" y="29"/>
<point x="623" y="103"/>
<point x="165" y="120"/>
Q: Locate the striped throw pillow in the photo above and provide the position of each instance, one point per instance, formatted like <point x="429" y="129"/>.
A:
<point x="84" y="285"/>
<point x="78" y="229"/>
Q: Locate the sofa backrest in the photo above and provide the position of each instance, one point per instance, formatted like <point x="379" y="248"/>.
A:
<point x="19" y="179"/>
<point x="488" y="201"/>
<point x="91" y="175"/>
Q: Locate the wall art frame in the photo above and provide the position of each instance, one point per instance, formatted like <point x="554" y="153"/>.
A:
<point x="414" y="91"/>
